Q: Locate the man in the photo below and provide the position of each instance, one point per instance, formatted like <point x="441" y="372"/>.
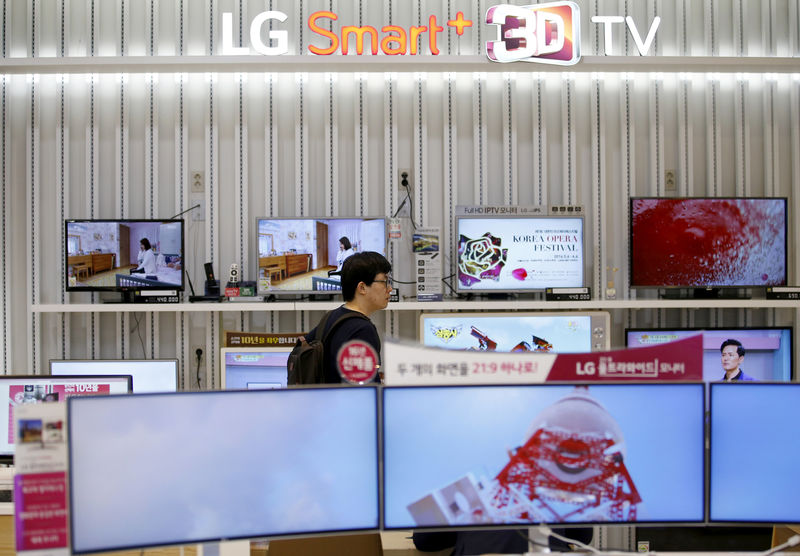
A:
<point x="366" y="285"/>
<point x="732" y="357"/>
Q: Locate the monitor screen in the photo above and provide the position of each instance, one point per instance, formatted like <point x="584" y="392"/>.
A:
<point x="767" y="351"/>
<point x="123" y="255"/>
<point x="519" y="253"/>
<point x="565" y="332"/>
<point x="262" y="368"/>
<point x="708" y="242"/>
<point x="21" y="389"/>
<point x="299" y="255"/>
<point x="473" y="456"/>
<point x="149" y="375"/>
<point x="753" y="453"/>
<point x="203" y="466"/>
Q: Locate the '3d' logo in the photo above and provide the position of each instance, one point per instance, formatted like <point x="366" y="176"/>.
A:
<point x="545" y="33"/>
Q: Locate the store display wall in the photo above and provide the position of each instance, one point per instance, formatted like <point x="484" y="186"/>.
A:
<point x="311" y="143"/>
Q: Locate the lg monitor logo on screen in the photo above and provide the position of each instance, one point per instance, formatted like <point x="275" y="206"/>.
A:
<point x="550" y="33"/>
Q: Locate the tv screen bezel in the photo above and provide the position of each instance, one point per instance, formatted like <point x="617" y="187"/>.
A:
<point x="175" y="287"/>
<point x="593" y="315"/>
<point x="720" y="328"/>
<point x="314" y="218"/>
<point x="701" y="424"/>
<point x="631" y="200"/>
<point x="456" y="237"/>
<point x="376" y="432"/>
<point x="118" y="361"/>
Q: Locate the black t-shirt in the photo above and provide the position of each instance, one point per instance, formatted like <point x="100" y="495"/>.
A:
<point x="350" y="329"/>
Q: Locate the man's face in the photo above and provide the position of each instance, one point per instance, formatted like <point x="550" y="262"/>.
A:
<point x="731" y="358"/>
<point x="378" y="292"/>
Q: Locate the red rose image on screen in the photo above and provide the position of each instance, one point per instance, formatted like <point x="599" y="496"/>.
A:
<point x="480" y="259"/>
<point x="708" y="242"/>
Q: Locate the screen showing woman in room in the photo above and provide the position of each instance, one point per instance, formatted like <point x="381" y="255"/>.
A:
<point x="107" y="255"/>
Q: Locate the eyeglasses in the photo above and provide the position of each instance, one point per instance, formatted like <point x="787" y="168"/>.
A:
<point x="388" y="282"/>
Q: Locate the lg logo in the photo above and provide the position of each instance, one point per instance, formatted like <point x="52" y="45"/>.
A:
<point x="550" y="33"/>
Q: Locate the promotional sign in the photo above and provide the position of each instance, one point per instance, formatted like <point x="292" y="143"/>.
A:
<point x="412" y="364"/>
<point x="40" y="481"/>
<point x="257" y="339"/>
<point x="357" y="362"/>
<point x="428" y="264"/>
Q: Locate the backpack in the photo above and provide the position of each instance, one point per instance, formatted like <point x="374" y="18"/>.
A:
<point x="306" y="360"/>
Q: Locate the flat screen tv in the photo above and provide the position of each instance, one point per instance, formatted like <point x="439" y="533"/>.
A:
<point x="196" y="467"/>
<point x="754" y="453"/>
<point x="24" y="389"/>
<point x="564" y="332"/>
<point x="255" y="368"/>
<point x="149" y="375"/>
<point x="708" y="242"/>
<point x="767" y="350"/>
<point x="302" y="255"/>
<point x="106" y="255"/>
<point x="518" y="253"/>
<point x="499" y="456"/>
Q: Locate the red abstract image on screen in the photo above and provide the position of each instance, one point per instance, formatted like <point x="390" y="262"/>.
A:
<point x="569" y="468"/>
<point x="708" y="242"/>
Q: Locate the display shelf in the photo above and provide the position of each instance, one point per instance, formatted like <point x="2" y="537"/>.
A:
<point x="381" y="64"/>
<point x="448" y="305"/>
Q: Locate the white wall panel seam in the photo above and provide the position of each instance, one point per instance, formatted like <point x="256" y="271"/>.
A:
<point x="5" y="141"/>
<point x="271" y="159"/>
<point x="713" y="136"/>
<point x="656" y="138"/>
<point x="710" y="28"/>
<point x="33" y="177"/>
<point x="390" y="146"/>
<point x="300" y="164"/>
<point x="539" y="141"/>
<point x="794" y="230"/>
<point x="243" y="185"/>
<point x="63" y="139"/>
<point x="741" y="143"/>
<point x="420" y="149"/>
<point x="479" y="138"/>
<point x="768" y="104"/>
<point x="362" y="148"/>
<point x="738" y="26"/>
<point x="331" y="149"/>
<point x="628" y="153"/>
<point x="568" y="149"/>
<point x="450" y="184"/>
<point x="151" y="150"/>
<point x="511" y="193"/>
<point x="600" y="254"/>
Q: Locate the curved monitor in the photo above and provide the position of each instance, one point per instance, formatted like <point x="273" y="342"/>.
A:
<point x="555" y="332"/>
<point x="519" y="253"/>
<point x="298" y="255"/>
<point x="149" y="375"/>
<point x="753" y="453"/>
<point x="204" y="466"/>
<point x="107" y="255"/>
<point x="708" y="242"/>
<point x="505" y="456"/>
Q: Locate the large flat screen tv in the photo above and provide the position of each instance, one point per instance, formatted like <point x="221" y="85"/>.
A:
<point x="497" y="456"/>
<point x="194" y="467"/>
<point x="254" y="368"/>
<point x="767" y="350"/>
<point x="754" y="453"/>
<point x="303" y="255"/>
<point x="518" y="253"/>
<point x="24" y="389"/>
<point x="149" y="375"/>
<point x="708" y="242"/>
<point x="107" y="255"/>
<point x="564" y="332"/>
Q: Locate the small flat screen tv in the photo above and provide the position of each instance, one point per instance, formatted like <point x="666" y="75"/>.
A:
<point x="754" y="453"/>
<point x="303" y="255"/>
<point x="708" y="242"/>
<point x="255" y="368"/>
<point x="24" y="389"/>
<point x="767" y="350"/>
<point x="105" y="255"/>
<point x="149" y="375"/>
<point x="518" y="253"/>
<point x="564" y="332"/>
<point x="500" y="456"/>
<point x="196" y="467"/>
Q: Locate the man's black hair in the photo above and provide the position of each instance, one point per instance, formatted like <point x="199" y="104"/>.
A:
<point x="732" y="342"/>
<point x="345" y="242"/>
<point x="146" y="242"/>
<point x="362" y="267"/>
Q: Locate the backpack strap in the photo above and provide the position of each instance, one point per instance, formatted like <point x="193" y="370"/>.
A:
<point x="354" y="314"/>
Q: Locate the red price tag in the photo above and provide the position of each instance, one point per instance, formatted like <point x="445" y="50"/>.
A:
<point x="357" y="362"/>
